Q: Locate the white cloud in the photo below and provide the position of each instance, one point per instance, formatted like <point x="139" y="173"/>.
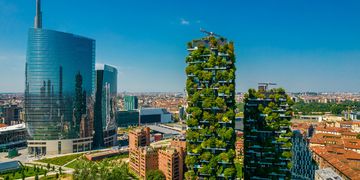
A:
<point x="184" y="21"/>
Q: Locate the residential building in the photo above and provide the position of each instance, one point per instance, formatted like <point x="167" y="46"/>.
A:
<point x="326" y="174"/>
<point x="171" y="163"/>
<point x="105" y="106"/>
<point x="13" y="137"/>
<point x="154" y="115"/>
<point x="210" y="89"/>
<point x="353" y="115"/>
<point x="303" y="165"/>
<point x="143" y="159"/>
<point x="168" y="158"/>
<point x="131" y="103"/>
<point x="59" y="89"/>
<point x="11" y="114"/>
<point x="343" y="162"/>
<point x="267" y="134"/>
<point x="139" y="137"/>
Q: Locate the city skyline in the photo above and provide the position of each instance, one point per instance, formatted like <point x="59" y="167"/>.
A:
<point x="314" y="44"/>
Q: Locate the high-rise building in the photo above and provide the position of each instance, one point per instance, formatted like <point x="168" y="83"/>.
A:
<point x="171" y="163"/>
<point x="10" y="113"/>
<point x="171" y="159"/>
<point x="59" y="90"/>
<point x="142" y="157"/>
<point x="130" y="103"/>
<point x="139" y="137"/>
<point x="105" y="106"/>
<point x="267" y="134"/>
<point x="210" y="90"/>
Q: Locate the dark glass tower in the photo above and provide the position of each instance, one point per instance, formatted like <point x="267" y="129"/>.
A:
<point x="267" y="134"/>
<point x="105" y="106"/>
<point x="210" y="90"/>
<point x="130" y="103"/>
<point x="59" y="88"/>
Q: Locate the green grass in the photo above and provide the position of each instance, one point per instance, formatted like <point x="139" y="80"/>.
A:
<point x="120" y="156"/>
<point x="18" y="174"/>
<point x="53" y="177"/>
<point x="60" y="161"/>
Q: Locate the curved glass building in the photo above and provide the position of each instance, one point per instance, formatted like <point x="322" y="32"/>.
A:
<point x="105" y="106"/>
<point x="59" y="91"/>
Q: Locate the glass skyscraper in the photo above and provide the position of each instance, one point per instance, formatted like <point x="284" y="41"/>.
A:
<point x="59" y="90"/>
<point x="105" y="106"/>
<point x="130" y="103"/>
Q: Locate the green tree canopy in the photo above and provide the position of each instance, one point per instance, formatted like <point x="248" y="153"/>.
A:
<point x="155" y="175"/>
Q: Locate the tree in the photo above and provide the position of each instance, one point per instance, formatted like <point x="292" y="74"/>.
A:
<point x="155" y="175"/>
<point x="102" y="170"/>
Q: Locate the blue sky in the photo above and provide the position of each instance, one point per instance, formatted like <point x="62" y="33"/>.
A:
<point x="301" y="45"/>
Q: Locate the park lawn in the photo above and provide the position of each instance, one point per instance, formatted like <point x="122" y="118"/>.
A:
<point x="18" y="175"/>
<point x="61" y="160"/>
<point x="114" y="158"/>
<point x="53" y="177"/>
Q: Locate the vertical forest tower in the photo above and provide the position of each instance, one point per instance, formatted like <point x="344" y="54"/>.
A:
<point x="267" y="134"/>
<point x="210" y="90"/>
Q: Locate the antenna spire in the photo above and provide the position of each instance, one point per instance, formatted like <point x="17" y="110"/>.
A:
<point x="38" y="16"/>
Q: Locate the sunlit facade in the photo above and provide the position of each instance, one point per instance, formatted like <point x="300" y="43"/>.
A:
<point x="105" y="106"/>
<point x="59" y="91"/>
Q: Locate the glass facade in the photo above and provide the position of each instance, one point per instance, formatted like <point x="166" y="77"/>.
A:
<point x="127" y="118"/>
<point x="130" y="103"/>
<point x="59" y="85"/>
<point x="105" y="105"/>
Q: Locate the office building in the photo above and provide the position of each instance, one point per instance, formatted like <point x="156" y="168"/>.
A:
<point x="154" y="115"/>
<point x="303" y="165"/>
<point x="127" y="118"/>
<point x="59" y="90"/>
<point x="10" y="114"/>
<point x="267" y="134"/>
<point x="105" y="106"/>
<point x="210" y="88"/>
<point x="130" y="103"/>
<point x="13" y="137"/>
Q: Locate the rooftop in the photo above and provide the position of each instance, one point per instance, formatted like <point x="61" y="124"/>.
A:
<point x="328" y="174"/>
<point x="12" y="128"/>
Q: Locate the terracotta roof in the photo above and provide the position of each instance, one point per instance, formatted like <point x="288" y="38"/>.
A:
<point x="345" y="161"/>
<point x="352" y="143"/>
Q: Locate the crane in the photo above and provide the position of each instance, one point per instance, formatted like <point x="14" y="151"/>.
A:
<point x="209" y="33"/>
<point x="264" y="86"/>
